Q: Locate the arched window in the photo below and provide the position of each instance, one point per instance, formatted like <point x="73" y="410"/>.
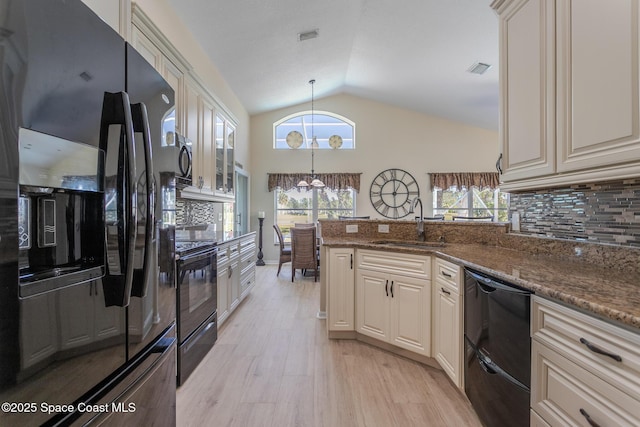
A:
<point x="332" y="131"/>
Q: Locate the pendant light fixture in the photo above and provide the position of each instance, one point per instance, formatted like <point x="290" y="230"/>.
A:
<point x="315" y="182"/>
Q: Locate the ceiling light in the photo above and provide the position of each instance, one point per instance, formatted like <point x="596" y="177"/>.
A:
<point x="315" y="182"/>
<point x="308" y="35"/>
<point x="479" y="68"/>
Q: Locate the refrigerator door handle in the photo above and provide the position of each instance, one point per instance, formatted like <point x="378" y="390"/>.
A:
<point x="132" y="198"/>
<point x="141" y="124"/>
<point x="119" y="275"/>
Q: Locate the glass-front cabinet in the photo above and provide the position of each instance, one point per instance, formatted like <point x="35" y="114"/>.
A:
<point x="225" y="162"/>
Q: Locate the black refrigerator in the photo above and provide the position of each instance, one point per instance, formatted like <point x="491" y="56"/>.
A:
<point x="87" y="223"/>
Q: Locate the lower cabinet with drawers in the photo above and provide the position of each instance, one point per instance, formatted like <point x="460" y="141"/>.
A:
<point x="448" y="319"/>
<point x="585" y="371"/>
<point x="236" y="273"/>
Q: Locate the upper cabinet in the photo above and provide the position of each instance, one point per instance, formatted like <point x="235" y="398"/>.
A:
<point x="569" y="91"/>
<point x="199" y="116"/>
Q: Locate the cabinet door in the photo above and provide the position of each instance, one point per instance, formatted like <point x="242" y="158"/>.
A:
<point x="175" y="77"/>
<point x="234" y="284"/>
<point x="77" y="323"/>
<point x="341" y="288"/>
<point x="598" y="90"/>
<point x="373" y="304"/>
<point x="223" y="293"/>
<point x="230" y="142"/>
<point x="410" y="311"/>
<point x="146" y="48"/>
<point x="220" y="152"/>
<point x="527" y="88"/>
<point x="191" y="127"/>
<point x="205" y="152"/>
<point x="38" y="328"/>
<point x="448" y="333"/>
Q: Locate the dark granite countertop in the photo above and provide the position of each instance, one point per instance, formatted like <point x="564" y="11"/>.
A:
<point x="608" y="293"/>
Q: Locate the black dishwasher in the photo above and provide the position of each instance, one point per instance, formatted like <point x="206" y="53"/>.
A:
<point x="497" y="340"/>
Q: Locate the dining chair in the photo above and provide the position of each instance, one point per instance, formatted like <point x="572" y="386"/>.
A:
<point x="285" y="251"/>
<point x="304" y="253"/>
<point x="304" y="225"/>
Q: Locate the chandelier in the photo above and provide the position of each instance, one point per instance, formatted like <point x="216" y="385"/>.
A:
<point x="315" y="182"/>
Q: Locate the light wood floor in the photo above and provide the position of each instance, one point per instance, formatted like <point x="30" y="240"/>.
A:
<point x="273" y="365"/>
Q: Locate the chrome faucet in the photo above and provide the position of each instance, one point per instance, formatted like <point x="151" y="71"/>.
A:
<point x="420" y="221"/>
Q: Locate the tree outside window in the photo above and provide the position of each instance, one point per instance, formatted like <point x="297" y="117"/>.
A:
<point x="301" y="206"/>
<point x="471" y="203"/>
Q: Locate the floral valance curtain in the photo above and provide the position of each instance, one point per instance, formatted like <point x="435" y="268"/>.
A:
<point x="481" y="180"/>
<point x="333" y="181"/>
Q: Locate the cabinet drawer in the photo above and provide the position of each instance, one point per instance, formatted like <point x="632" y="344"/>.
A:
<point x="247" y="245"/>
<point x="247" y="280"/>
<point x="447" y="273"/>
<point x="406" y="264"/>
<point x="576" y="336"/>
<point x="566" y="394"/>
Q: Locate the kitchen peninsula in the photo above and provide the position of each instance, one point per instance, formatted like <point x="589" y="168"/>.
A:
<point x="600" y="279"/>
<point x="571" y="310"/>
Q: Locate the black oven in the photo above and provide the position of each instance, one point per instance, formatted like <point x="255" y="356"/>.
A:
<point x="197" y="291"/>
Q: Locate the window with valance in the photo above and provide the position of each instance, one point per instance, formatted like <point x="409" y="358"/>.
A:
<point x="333" y="181"/>
<point x="481" y="180"/>
<point x="469" y="194"/>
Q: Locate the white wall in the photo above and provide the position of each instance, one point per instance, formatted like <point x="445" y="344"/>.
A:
<point x="386" y="137"/>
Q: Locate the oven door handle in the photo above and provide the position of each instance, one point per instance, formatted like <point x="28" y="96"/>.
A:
<point x="188" y="259"/>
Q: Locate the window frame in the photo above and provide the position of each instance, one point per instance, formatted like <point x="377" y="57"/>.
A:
<point x="468" y="199"/>
<point x="314" y="209"/>
<point x="323" y="143"/>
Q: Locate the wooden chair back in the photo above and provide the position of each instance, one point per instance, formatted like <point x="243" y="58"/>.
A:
<point x="285" y="252"/>
<point x="304" y="253"/>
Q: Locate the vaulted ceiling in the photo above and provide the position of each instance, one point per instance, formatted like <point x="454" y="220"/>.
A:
<point x="413" y="54"/>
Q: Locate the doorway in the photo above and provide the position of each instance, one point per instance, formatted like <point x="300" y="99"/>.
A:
<point x="242" y="202"/>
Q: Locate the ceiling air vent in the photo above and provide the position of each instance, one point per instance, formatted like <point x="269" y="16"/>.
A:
<point x="308" y="35"/>
<point x="479" y="68"/>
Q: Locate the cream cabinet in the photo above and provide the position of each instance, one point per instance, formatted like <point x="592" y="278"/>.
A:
<point x="236" y="273"/>
<point x="341" y="289"/>
<point x="527" y="88"/>
<point x="199" y="116"/>
<point x="570" y="101"/>
<point x="247" y="265"/>
<point x="159" y="52"/>
<point x="584" y="371"/>
<point x="224" y="157"/>
<point x="448" y="315"/>
<point x="393" y="299"/>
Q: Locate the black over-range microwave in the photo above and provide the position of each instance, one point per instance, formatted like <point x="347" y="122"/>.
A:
<point x="185" y="163"/>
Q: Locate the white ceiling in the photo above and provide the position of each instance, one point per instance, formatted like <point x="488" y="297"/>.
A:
<point x="409" y="53"/>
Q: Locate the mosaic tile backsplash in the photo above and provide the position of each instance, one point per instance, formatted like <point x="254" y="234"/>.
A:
<point x="607" y="212"/>
<point x="195" y="212"/>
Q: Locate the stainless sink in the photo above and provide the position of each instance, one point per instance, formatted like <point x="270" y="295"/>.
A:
<point x="410" y="244"/>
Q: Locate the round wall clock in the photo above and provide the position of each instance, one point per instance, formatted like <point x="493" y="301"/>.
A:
<point x="294" y="139"/>
<point x="392" y="192"/>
